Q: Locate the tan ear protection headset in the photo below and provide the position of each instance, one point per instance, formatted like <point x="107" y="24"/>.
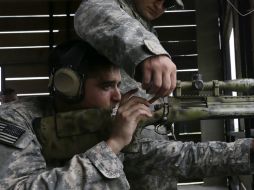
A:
<point x="65" y="81"/>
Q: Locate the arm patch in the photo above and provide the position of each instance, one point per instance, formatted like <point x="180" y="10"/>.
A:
<point x="10" y="133"/>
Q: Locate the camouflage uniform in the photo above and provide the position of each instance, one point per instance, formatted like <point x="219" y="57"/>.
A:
<point x="154" y="163"/>
<point x="114" y="28"/>
<point x="23" y="165"/>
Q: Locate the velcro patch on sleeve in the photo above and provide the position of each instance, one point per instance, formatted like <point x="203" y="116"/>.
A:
<point x="10" y="133"/>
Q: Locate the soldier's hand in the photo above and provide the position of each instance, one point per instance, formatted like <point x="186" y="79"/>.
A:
<point x="128" y="115"/>
<point x="159" y="75"/>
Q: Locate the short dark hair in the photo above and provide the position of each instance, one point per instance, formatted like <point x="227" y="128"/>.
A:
<point x="80" y="56"/>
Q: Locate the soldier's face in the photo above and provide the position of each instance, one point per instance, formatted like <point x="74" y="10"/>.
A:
<point x="150" y="9"/>
<point x="103" y="90"/>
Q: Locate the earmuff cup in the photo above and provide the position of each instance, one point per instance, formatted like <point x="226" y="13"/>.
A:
<point x="67" y="84"/>
<point x="66" y="80"/>
<point x="70" y="64"/>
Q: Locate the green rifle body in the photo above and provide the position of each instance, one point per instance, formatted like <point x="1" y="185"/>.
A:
<point x="67" y="134"/>
<point x="209" y="101"/>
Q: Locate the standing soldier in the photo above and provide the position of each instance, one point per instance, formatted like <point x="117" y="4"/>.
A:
<point x="121" y="30"/>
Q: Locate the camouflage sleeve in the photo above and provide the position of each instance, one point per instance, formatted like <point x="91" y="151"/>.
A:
<point x="190" y="160"/>
<point x="23" y="167"/>
<point x="112" y="31"/>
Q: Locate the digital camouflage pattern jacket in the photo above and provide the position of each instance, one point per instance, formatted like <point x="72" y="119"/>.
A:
<point x="115" y="29"/>
<point x="148" y="163"/>
<point x="23" y="166"/>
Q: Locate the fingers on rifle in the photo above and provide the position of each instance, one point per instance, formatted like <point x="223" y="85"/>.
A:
<point x="140" y="112"/>
<point x="156" y="82"/>
<point x="137" y="112"/>
<point x="147" y="76"/>
<point x="173" y="82"/>
<point x="165" y="86"/>
<point x="153" y="99"/>
<point x="134" y="100"/>
<point x="128" y="95"/>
